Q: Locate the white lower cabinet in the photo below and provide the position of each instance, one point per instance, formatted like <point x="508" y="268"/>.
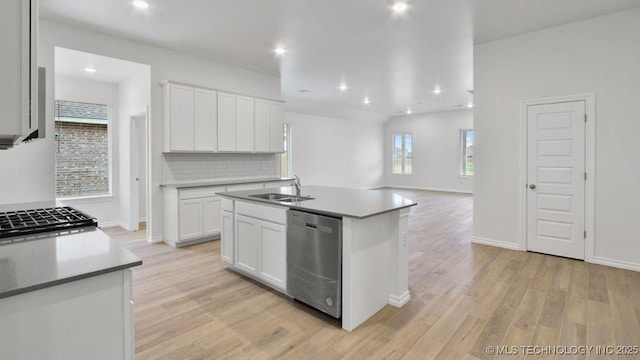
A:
<point x="211" y="224"/>
<point x="273" y="253"/>
<point x="190" y="223"/>
<point x="259" y="241"/>
<point x="91" y="318"/>
<point x="226" y="243"/>
<point x="246" y="244"/>
<point x="191" y="215"/>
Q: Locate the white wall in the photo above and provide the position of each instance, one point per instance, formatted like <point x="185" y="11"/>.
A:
<point x="106" y="209"/>
<point x="335" y="152"/>
<point x="436" y="151"/>
<point x="601" y="56"/>
<point x="134" y="96"/>
<point x="165" y="64"/>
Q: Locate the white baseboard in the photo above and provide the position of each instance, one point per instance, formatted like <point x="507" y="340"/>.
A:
<point x="154" y="239"/>
<point x="399" y="301"/>
<point x="142" y="219"/>
<point x="498" y="243"/>
<point x="428" y="189"/>
<point x="616" y="263"/>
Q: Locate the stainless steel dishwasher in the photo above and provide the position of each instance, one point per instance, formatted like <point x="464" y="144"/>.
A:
<point x="314" y="260"/>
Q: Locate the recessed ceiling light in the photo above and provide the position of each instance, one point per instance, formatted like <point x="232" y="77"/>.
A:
<point x="280" y="50"/>
<point x="304" y="91"/>
<point x="437" y="90"/>
<point x="90" y="70"/>
<point x="366" y="100"/>
<point x="343" y="87"/>
<point x="140" y="4"/>
<point x="409" y="112"/>
<point x="400" y="7"/>
<point x="470" y="105"/>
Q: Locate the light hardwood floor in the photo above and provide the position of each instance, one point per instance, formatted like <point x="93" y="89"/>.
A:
<point x="465" y="298"/>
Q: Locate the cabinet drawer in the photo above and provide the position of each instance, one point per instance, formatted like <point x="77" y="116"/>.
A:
<point x="227" y="205"/>
<point x="199" y="192"/>
<point x="263" y="212"/>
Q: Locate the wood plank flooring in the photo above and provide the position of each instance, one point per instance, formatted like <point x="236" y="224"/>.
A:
<point x="465" y="299"/>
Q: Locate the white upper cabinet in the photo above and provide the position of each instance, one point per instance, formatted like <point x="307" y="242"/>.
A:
<point x="19" y="71"/>
<point x="190" y="118"/>
<point x="181" y="118"/>
<point x="244" y="123"/>
<point x="276" y="124"/>
<point x="262" y="126"/>
<point x="226" y="122"/>
<point x="205" y="120"/>
<point x="269" y="122"/>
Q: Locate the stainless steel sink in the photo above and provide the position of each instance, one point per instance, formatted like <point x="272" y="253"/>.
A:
<point x="271" y="196"/>
<point x="281" y="197"/>
<point x="296" y="198"/>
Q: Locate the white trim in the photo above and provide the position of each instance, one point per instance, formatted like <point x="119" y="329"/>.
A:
<point x="498" y="243"/>
<point x="616" y="263"/>
<point x="142" y="219"/>
<point x="86" y="199"/>
<point x="154" y="239"/>
<point x="399" y="301"/>
<point x="114" y="223"/>
<point x="590" y="167"/>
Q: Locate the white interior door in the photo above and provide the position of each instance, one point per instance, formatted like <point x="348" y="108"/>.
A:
<point x="556" y="178"/>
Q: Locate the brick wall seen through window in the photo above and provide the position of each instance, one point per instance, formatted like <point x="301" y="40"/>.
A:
<point x="82" y="149"/>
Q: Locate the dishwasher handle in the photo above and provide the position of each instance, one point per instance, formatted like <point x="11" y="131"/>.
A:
<point x="312" y="226"/>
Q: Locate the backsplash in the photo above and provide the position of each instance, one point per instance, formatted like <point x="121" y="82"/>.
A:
<point x="178" y="168"/>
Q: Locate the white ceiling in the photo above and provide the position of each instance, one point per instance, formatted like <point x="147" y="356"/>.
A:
<point x="394" y="60"/>
<point x="71" y="63"/>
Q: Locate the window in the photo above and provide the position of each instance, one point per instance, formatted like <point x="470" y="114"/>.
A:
<point x="82" y="149"/>
<point x="285" y="157"/>
<point x="466" y="152"/>
<point x="403" y="153"/>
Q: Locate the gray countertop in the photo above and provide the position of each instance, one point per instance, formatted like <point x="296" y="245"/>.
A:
<point x="38" y="261"/>
<point x="333" y="201"/>
<point x="222" y="182"/>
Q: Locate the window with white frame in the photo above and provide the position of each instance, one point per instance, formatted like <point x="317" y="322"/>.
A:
<point x="402" y="153"/>
<point x="285" y="157"/>
<point x="466" y="152"/>
<point x="82" y="149"/>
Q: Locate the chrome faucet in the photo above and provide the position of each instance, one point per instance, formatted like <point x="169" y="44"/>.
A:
<point x="297" y="184"/>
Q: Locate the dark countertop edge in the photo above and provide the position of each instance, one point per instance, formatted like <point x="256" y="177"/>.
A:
<point x="69" y="279"/>
<point x="222" y="183"/>
<point x="315" y="211"/>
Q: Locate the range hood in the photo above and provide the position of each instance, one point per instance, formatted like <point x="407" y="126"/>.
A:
<point x="37" y="118"/>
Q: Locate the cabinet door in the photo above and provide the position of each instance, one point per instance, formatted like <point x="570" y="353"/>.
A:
<point x="276" y="118"/>
<point x="190" y="219"/>
<point x="226" y="238"/>
<point x="205" y="120"/>
<point x="262" y="126"/>
<point x="211" y="207"/>
<point x="244" y="123"/>
<point x="18" y="73"/>
<point x="226" y="122"/>
<point x="273" y="254"/>
<point x="181" y="118"/>
<point x="246" y="244"/>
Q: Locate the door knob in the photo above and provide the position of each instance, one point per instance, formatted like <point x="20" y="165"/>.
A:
<point x="532" y="186"/>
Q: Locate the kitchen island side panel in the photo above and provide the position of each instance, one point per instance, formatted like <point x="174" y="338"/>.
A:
<point x="372" y="272"/>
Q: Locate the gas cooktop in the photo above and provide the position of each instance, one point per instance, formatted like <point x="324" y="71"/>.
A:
<point x="24" y="222"/>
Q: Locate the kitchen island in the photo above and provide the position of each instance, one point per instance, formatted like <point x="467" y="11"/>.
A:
<point x="66" y="294"/>
<point x="374" y="241"/>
